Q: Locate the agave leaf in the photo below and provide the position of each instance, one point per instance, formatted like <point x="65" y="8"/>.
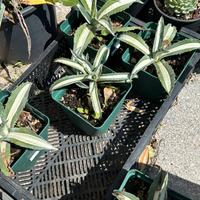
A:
<point x="127" y="29"/>
<point x="166" y="75"/>
<point x="5" y="158"/>
<point x="94" y="96"/>
<point x="145" y="61"/>
<point x="135" y="41"/>
<point x="158" y="189"/>
<point x="115" y="6"/>
<point x="107" y="25"/>
<point x="70" y="63"/>
<point x="94" y="9"/>
<point x="180" y="47"/>
<point x="2" y="9"/>
<point x="101" y="56"/>
<point x="122" y="195"/>
<point x="25" y="137"/>
<point x="158" y="40"/>
<point x="115" y="78"/>
<point x="169" y="33"/>
<point x="66" y="80"/>
<point x="2" y="117"/>
<point x="16" y="103"/>
<point x="83" y="62"/>
<point x="82" y="38"/>
<point x="84" y="13"/>
<point x="87" y="5"/>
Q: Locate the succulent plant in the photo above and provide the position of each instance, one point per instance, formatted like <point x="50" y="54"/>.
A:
<point x="181" y="7"/>
<point x="162" y="48"/>
<point x="91" y="75"/>
<point x="9" y="133"/>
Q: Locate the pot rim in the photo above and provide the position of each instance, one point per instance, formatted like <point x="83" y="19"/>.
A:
<point x="174" y="18"/>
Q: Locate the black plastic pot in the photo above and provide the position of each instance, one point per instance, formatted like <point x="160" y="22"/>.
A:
<point x="178" y="22"/>
<point x="41" y="22"/>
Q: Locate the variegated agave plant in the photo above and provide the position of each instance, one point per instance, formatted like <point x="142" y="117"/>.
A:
<point x="157" y="190"/>
<point x="23" y="137"/>
<point x="90" y="75"/>
<point x="162" y="48"/>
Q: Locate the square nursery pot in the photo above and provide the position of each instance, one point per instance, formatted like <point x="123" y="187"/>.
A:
<point x="148" y="85"/>
<point x="82" y="123"/>
<point x="75" y="19"/>
<point x="133" y="174"/>
<point x="29" y="157"/>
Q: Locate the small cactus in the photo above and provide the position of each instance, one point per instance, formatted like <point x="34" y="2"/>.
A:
<point x="181" y="7"/>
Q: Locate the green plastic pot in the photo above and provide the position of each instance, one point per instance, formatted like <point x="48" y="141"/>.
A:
<point x="135" y="174"/>
<point x="29" y="157"/>
<point x="148" y="85"/>
<point x="82" y="123"/>
<point x="75" y="19"/>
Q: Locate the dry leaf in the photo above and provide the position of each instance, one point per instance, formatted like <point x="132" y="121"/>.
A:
<point x="130" y="105"/>
<point x="108" y="92"/>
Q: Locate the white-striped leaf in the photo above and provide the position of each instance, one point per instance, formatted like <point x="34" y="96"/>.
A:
<point x="135" y="41"/>
<point x="115" y="78"/>
<point x="70" y="63"/>
<point x="94" y="9"/>
<point x="166" y="75"/>
<point x="127" y="29"/>
<point x="66" y="80"/>
<point x="87" y="4"/>
<point x="169" y="34"/>
<point x="82" y="38"/>
<point x="115" y="6"/>
<point x="83" y="62"/>
<point x="2" y="9"/>
<point x="158" y="39"/>
<point x="101" y="56"/>
<point x="25" y="137"/>
<point x="180" y="47"/>
<point x="106" y="23"/>
<point x="94" y="97"/>
<point x="16" y="103"/>
<point x="145" y="61"/>
<point x="84" y="12"/>
<point x="123" y="195"/>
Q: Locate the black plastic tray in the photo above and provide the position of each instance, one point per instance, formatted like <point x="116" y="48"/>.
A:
<point x="86" y="167"/>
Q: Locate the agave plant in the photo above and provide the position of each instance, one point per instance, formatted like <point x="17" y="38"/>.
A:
<point x="181" y="7"/>
<point x="96" y="20"/>
<point x="157" y="190"/>
<point x="9" y="133"/>
<point x="162" y="48"/>
<point x="90" y="74"/>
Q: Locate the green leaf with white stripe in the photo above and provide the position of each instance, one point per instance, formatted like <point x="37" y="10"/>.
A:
<point x="94" y="97"/>
<point x="169" y="34"/>
<point x="165" y="74"/>
<point x="70" y="63"/>
<point x="82" y="38"/>
<point x="180" y="47"/>
<point x="66" y="80"/>
<point x="94" y="9"/>
<point x="115" y="6"/>
<point x="127" y="29"/>
<point x="87" y="4"/>
<point x="115" y="78"/>
<point x="25" y="137"/>
<point x="16" y="103"/>
<point x="106" y="23"/>
<point x="2" y="9"/>
<point x="158" y="39"/>
<point x="123" y="195"/>
<point x="135" y="41"/>
<point x="144" y="62"/>
<point x="84" y="12"/>
<point x="101" y="56"/>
